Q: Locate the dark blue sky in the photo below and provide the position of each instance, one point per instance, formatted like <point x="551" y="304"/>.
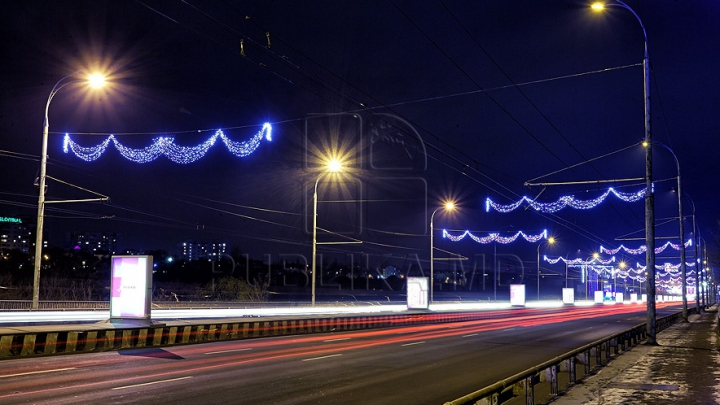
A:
<point x="445" y="99"/>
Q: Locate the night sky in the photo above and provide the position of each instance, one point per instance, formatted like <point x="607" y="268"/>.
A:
<point x="426" y="101"/>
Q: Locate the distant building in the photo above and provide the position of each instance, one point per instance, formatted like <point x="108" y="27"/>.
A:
<point x="94" y="242"/>
<point x="390" y="271"/>
<point x="194" y="250"/>
<point x="17" y="233"/>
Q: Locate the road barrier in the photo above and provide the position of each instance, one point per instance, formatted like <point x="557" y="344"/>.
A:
<point x="26" y="305"/>
<point x="65" y="339"/>
<point x="543" y="382"/>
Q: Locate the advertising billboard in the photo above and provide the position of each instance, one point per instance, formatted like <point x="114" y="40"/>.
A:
<point x="568" y="295"/>
<point x="417" y="293"/>
<point x="599" y="297"/>
<point x="517" y="294"/>
<point x="131" y="287"/>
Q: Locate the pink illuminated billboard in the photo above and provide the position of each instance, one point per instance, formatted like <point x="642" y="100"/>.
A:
<point x="131" y="287"/>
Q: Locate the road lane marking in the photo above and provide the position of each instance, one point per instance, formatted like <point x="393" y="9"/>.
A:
<point x="152" y="383"/>
<point x="336" y="340"/>
<point x="37" y="372"/>
<point x="230" y="351"/>
<point x="322" y="357"/>
<point x="470" y="335"/>
<point x="413" y="343"/>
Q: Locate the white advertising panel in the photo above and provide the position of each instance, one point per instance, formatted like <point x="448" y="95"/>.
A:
<point x="633" y="298"/>
<point x="644" y="298"/>
<point x="417" y="292"/>
<point x="599" y="297"/>
<point x="568" y="295"/>
<point x="619" y="297"/>
<point x="517" y="294"/>
<point x="131" y="287"/>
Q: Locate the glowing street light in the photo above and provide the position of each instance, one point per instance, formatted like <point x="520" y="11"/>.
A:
<point x="649" y="196"/>
<point x="549" y="241"/>
<point x="333" y="166"/>
<point x="622" y="266"/>
<point x="94" y="81"/>
<point x="448" y="206"/>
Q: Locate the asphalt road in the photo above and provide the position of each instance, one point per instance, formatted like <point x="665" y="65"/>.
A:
<point x="427" y="364"/>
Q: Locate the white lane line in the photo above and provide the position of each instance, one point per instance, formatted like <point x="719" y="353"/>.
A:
<point x="470" y="335"/>
<point x="322" y="357"/>
<point x="413" y="343"/>
<point x="152" y="383"/>
<point x="36" y="372"/>
<point x="505" y="330"/>
<point x="230" y="351"/>
<point x="336" y="340"/>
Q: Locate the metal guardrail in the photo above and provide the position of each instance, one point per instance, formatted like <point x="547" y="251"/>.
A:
<point x="592" y="356"/>
<point x="20" y="305"/>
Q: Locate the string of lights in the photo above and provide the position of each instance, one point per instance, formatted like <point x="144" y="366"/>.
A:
<point x="563" y="202"/>
<point x="596" y="261"/>
<point x="643" y="248"/>
<point x="639" y="274"/>
<point x="580" y="261"/>
<point x="166" y="146"/>
<point x="495" y="237"/>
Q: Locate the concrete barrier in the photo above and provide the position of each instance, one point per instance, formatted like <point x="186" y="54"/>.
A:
<point x="35" y="341"/>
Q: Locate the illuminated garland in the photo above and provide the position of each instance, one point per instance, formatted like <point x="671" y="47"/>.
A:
<point x="673" y="278"/>
<point x="668" y="266"/>
<point x="166" y="146"/>
<point x="562" y="202"/>
<point x="574" y="262"/>
<point x="495" y="237"/>
<point x="643" y="248"/>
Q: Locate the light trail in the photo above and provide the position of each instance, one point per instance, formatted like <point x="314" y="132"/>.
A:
<point x="39" y="317"/>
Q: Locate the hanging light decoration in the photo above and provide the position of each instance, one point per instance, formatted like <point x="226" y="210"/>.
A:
<point x="643" y="248"/>
<point x="495" y="237"/>
<point x="562" y="202"/>
<point x="579" y="261"/>
<point x="166" y="146"/>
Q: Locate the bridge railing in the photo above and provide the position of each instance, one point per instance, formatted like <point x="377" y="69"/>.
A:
<point x="541" y="383"/>
<point x="23" y="305"/>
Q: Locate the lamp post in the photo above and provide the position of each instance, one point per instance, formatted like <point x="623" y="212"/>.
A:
<point x="95" y="81"/>
<point x="549" y="241"/>
<point x="696" y="242"/>
<point x="333" y="166"/>
<point x="649" y="194"/>
<point x="702" y="275"/>
<point x="621" y="265"/>
<point x="682" y="234"/>
<point x="594" y="256"/>
<point x="448" y="206"/>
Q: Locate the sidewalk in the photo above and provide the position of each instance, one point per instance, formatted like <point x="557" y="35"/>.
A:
<point x="683" y="369"/>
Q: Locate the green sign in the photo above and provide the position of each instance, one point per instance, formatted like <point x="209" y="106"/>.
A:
<point x="10" y="219"/>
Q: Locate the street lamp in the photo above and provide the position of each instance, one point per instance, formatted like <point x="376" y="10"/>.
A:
<point x="621" y="265"/>
<point x="333" y="166"/>
<point x="649" y="195"/>
<point x="448" y="206"/>
<point x="549" y="241"/>
<point x="696" y="242"/>
<point x="682" y="234"/>
<point x="95" y="81"/>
